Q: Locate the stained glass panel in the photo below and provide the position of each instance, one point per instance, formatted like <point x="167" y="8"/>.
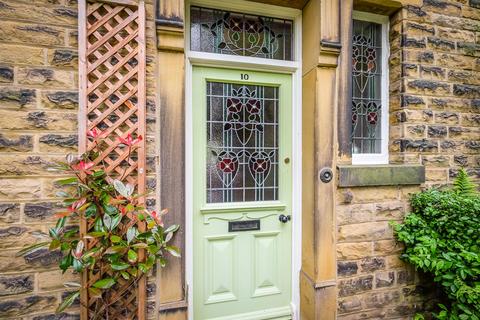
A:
<point x="366" y="87"/>
<point x="240" y="34"/>
<point x="242" y="142"/>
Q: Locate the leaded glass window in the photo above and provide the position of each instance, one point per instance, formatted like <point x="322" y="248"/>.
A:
<point x="367" y="88"/>
<point x="225" y="32"/>
<point x="242" y="142"/>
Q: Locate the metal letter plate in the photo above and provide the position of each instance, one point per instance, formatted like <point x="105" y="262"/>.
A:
<point x="247" y="225"/>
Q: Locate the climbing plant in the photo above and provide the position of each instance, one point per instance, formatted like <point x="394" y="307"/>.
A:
<point x="117" y="251"/>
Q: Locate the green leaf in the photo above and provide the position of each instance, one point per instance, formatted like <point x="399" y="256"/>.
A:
<point x="63" y="182"/>
<point x="68" y="301"/>
<point x="143" y="267"/>
<point x="125" y="275"/>
<point x="32" y="248"/>
<point x="124" y="190"/>
<point x="116" y="221"/>
<point x="107" y="221"/>
<point x="94" y="292"/>
<point x="120" y="266"/>
<point x="140" y="245"/>
<point x="132" y="256"/>
<point x="66" y="262"/>
<point x="104" y="283"/>
<point x="172" y="228"/>
<point x="77" y="265"/>
<point x="97" y="234"/>
<point x="115" y="239"/>
<point x="131" y="233"/>
<point x="174" y="251"/>
<point x="91" y="210"/>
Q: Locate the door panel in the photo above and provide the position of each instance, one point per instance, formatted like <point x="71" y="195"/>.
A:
<point x="241" y="185"/>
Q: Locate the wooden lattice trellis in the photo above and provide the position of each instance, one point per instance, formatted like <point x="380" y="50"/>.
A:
<point x="112" y="99"/>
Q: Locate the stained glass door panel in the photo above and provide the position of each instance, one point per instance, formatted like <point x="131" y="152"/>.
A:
<point x="242" y="186"/>
<point x="242" y="142"/>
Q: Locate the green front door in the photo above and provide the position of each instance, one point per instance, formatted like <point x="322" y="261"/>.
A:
<point x="242" y="185"/>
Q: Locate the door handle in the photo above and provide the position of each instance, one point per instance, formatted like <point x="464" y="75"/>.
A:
<point x="284" y="219"/>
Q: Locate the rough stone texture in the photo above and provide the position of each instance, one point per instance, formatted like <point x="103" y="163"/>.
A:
<point x="38" y="126"/>
<point x="434" y="121"/>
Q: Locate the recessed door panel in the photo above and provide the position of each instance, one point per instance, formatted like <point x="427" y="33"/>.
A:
<point x="241" y="194"/>
<point x="220" y="270"/>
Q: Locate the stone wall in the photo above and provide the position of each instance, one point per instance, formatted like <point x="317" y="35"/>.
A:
<point x="435" y="121"/>
<point x="38" y="126"/>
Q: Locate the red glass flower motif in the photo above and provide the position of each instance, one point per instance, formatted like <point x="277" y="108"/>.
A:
<point x="261" y="165"/>
<point x="228" y="165"/>
<point x="252" y="26"/>
<point x="372" y="117"/>
<point x="253" y="106"/>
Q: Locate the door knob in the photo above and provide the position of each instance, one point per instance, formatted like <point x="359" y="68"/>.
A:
<point x="283" y="218"/>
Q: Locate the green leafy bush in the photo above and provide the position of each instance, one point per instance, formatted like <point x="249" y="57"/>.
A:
<point x="442" y="238"/>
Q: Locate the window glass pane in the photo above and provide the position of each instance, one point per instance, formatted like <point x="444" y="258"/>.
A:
<point x="240" y="34"/>
<point x="242" y="142"/>
<point x="366" y="87"/>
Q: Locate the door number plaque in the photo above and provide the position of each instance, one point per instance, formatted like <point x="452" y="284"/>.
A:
<point x="248" y="225"/>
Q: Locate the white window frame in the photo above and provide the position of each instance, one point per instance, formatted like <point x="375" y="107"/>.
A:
<point x="383" y="156"/>
<point x="294" y="67"/>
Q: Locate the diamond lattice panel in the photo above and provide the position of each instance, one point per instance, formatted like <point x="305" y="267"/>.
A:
<point x="112" y="85"/>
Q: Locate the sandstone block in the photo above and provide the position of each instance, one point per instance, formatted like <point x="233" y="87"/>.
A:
<point x="45" y="120"/>
<point x="16" y="307"/>
<point x="428" y="87"/>
<point x="347" y="268"/>
<point x="437" y="131"/>
<point x="416" y="131"/>
<point x="17" y="98"/>
<point x="350" y="214"/>
<point x="15" y="143"/>
<point x="365" y="232"/>
<point x="384" y="279"/>
<point x="392" y="210"/>
<point x="47" y="78"/>
<point x="58" y="143"/>
<point x="9" y="213"/>
<point x="432" y="73"/>
<point x="354" y="250"/>
<point x="20" y="165"/>
<point x="54" y="280"/>
<point x="59" y="99"/>
<point x="456" y="34"/>
<point x="40" y="211"/>
<point x="349" y="304"/>
<point x="371" y="264"/>
<point x="32" y="34"/>
<point x="18" y="236"/>
<point x="355" y="285"/>
<point x="451" y="146"/>
<point x="436" y="161"/>
<point x="14" y="189"/>
<point x="419" y="29"/>
<point x="58" y="316"/>
<point x="410" y="102"/>
<point x="6" y="74"/>
<point x="63" y="58"/>
<point x="456" y="61"/>
<point x="423" y="145"/>
<point x="439" y="44"/>
<point x="39" y="260"/>
<point x="16" y="284"/>
<point x="436" y="175"/>
<point x="470" y="119"/>
<point x="25" y="55"/>
<point x="54" y="15"/>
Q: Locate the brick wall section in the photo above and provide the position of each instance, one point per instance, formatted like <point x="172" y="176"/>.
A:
<point x="434" y="120"/>
<point x="38" y="125"/>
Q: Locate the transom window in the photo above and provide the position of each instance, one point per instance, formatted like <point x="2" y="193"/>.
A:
<point x="233" y="33"/>
<point x="369" y="89"/>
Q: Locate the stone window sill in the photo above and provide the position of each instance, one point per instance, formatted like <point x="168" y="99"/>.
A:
<point x="380" y="175"/>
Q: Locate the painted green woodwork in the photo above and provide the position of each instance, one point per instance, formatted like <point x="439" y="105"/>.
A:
<point x="241" y="275"/>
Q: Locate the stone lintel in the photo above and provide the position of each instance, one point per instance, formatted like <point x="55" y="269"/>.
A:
<point x="380" y="175"/>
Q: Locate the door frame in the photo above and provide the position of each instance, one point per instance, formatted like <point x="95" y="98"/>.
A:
<point x="294" y="68"/>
